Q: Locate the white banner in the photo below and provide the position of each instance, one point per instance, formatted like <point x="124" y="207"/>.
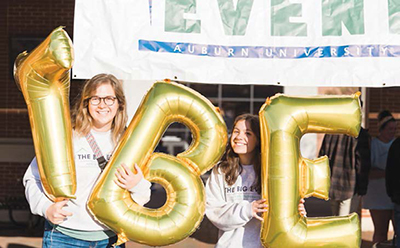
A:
<point x="285" y="42"/>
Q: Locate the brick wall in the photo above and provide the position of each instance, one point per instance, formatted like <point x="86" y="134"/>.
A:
<point x="11" y="179"/>
<point x="23" y="24"/>
<point x="383" y="99"/>
<point x="21" y="21"/>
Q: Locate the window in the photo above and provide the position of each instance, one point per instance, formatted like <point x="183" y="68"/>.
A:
<point x="233" y="100"/>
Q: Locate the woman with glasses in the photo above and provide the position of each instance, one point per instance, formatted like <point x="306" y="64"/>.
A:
<point x="98" y="120"/>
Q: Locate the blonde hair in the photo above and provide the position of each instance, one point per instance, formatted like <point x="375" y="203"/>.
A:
<point x="81" y="119"/>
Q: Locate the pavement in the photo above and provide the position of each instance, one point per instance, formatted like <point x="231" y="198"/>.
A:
<point x="13" y="236"/>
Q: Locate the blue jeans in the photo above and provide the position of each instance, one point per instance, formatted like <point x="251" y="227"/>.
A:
<point x="397" y="223"/>
<point x="55" y="239"/>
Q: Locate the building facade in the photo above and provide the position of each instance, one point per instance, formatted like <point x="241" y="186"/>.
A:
<point x="25" y="23"/>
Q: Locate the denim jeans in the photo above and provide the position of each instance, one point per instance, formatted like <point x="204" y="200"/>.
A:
<point x="397" y="223"/>
<point x="55" y="239"/>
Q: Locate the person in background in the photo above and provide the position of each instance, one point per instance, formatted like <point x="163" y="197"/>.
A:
<point x="233" y="200"/>
<point x="393" y="184"/>
<point x="99" y="115"/>
<point x="376" y="199"/>
<point x="350" y="163"/>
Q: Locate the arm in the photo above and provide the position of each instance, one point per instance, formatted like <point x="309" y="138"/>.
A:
<point x="141" y="192"/>
<point x="322" y="149"/>
<point x="375" y="173"/>
<point x="392" y="161"/>
<point x="134" y="183"/>
<point x="224" y="215"/>
<point x="38" y="201"/>
<point x="363" y="161"/>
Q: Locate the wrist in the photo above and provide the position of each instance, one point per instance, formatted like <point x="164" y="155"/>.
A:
<point x="46" y="206"/>
<point x="142" y="185"/>
<point x="249" y="210"/>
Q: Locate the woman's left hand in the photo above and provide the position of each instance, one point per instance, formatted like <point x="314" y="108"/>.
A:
<point x="302" y="208"/>
<point x="126" y="178"/>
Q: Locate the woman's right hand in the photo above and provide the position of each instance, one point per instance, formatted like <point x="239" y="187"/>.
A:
<point x="55" y="214"/>
<point x="259" y="206"/>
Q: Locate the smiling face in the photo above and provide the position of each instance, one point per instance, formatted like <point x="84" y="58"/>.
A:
<point x="244" y="141"/>
<point x="102" y="114"/>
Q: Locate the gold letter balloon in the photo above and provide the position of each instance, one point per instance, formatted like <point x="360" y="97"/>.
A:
<point x="183" y="211"/>
<point x="287" y="176"/>
<point x="43" y="77"/>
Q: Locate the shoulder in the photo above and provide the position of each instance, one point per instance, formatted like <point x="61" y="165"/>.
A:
<point x="216" y="174"/>
<point x="77" y="137"/>
<point x="375" y="141"/>
<point x="216" y="170"/>
<point x="79" y="141"/>
<point x="396" y="143"/>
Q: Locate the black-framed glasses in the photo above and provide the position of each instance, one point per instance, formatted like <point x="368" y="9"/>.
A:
<point x="108" y="100"/>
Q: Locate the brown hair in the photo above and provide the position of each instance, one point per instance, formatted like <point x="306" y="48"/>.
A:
<point x="81" y="119"/>
<point x="230" y="164"/>
<point x="384" y="118"/>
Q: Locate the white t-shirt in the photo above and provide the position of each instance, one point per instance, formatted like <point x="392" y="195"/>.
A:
<point x="376" y="197"/>
<point x="229" y="209"/>
<point x="87" y="172"/>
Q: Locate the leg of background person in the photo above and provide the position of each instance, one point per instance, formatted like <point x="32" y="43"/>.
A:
<point x="335" y="205"/>
<point x="344" y="207"/>
<point x="397" y="223"/>
<point x="355" y="206"/>
<point x="359" y="207"/>
<point x="381" y="219"/>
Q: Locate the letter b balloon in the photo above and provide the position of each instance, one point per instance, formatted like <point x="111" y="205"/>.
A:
<point x="183" y="211"/>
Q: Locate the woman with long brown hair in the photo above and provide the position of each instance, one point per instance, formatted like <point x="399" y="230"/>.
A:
<point x="233" y="190"/>
<point x="234" y="186"/>
<point x="98" y="119"/>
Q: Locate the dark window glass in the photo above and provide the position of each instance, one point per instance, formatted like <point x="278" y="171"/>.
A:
<point x="257" y="107"/>
<point x="237" y="91"/>
<point x="264" y="91"/>
<point x="178" y="132"/>
<point x="233" y="109"/>
<point x="207" y="90"/>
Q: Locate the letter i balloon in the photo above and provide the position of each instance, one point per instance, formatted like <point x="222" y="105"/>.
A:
<point x="43" y="77"/>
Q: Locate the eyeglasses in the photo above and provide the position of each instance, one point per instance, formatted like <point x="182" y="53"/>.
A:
<point x="108" y="100"/>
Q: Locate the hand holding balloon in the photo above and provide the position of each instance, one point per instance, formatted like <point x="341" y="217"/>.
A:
<point x="181" y="214"/>
<point x="288" y="177"/>
<point x="302" y="208"/>
<point x="127" y="179"/>
<point x="56" y="214"/>
<point x="259" y="206"/>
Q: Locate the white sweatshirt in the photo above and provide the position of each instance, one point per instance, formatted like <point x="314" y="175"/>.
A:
<point x="229" y="209"/>
<point x="87" y="172"/>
